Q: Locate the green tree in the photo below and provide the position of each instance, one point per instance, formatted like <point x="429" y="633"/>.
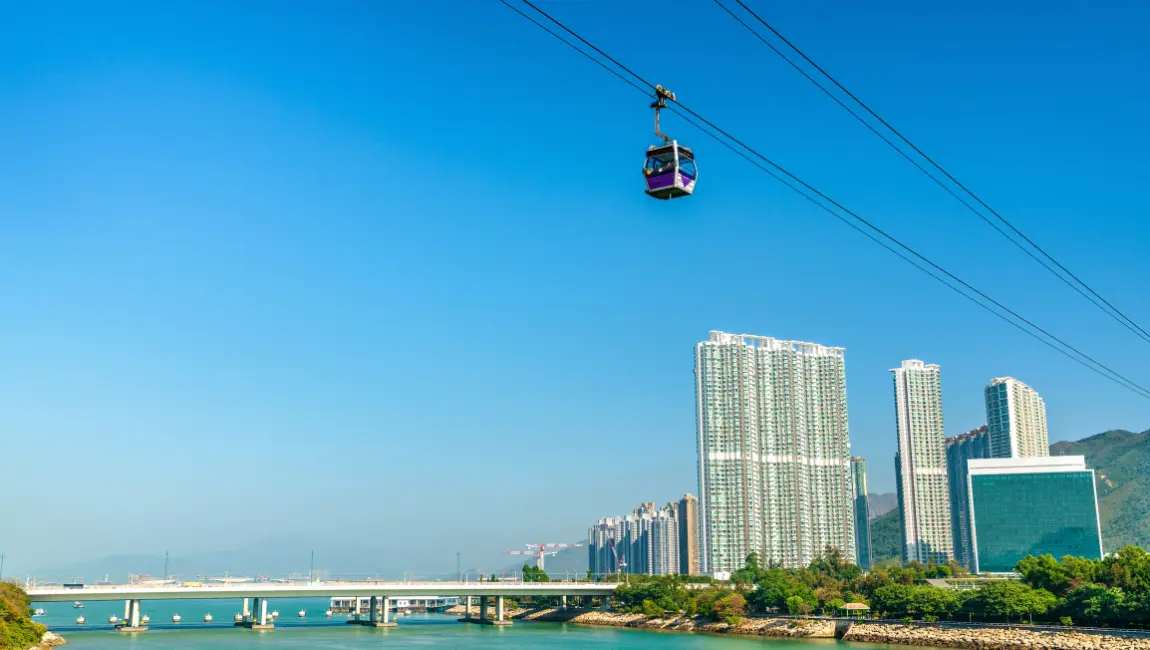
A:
<point x="1128" y="569"/>
<point x="1043" y="572"/>
<point x="1010" y="600"/>
<point x="749" y="574"/>
<point x="534" y="574"/>
<point x="775" y="586"/>
<point x="17" y="629"/>
<point x="731" y="608"/>
<point x="1078" y="571"/>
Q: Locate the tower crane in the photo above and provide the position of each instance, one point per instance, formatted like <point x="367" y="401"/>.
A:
<point x="540" y="551"/>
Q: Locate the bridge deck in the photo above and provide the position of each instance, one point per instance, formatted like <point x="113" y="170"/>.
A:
<point x="318" y="590"/>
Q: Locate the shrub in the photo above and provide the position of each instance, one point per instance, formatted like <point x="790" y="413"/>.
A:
<point x="907" y="619"/>
<point x="1065" y="620"/>
<point x="651" y="610"/>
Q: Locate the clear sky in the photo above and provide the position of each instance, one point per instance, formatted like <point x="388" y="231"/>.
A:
<point x="384" y="271"/>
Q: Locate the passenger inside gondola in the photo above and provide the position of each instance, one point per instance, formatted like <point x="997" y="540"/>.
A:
<point x="661" y="164"/>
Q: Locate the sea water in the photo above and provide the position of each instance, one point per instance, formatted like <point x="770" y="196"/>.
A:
<point x="317" y="632"/>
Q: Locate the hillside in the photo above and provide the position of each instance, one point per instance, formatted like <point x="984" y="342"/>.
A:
<point x="884" y="537"/>
<point x="881" y="503"/>
<point x="1121" y="460"/>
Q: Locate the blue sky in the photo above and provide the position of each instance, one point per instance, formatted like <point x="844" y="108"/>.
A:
<point x="385" y="271"/>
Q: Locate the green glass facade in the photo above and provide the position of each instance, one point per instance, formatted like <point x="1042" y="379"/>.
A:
<point x="1020" y="514"/>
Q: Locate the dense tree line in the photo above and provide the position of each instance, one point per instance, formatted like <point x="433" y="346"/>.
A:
<point x="1114" y="591"/>
<point x="17" y="629"/>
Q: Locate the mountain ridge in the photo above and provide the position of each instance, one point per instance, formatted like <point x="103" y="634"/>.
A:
<point x="1121" y="463"/>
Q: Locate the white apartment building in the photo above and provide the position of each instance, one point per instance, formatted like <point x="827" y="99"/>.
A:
<point x="774" y="451"/>
<point x="1015" y="420"/>
<point x="923" y="492"/>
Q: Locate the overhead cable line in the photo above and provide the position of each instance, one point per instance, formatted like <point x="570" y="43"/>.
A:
<point x="711" y="129"/>
<point x="1074" y="282"/>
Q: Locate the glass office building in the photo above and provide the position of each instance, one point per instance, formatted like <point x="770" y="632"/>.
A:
<point x="1032" y="506"/>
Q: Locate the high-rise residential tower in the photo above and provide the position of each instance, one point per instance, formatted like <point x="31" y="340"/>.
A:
<point x="920" y="464"/>
<point x="646" y="541"/>
<point x="774" y="451"/>
<point x="689" y="558"/>
<point x="960" y="449"/>
<point x="862" y="513"/>
<point x="1015" y="420"/>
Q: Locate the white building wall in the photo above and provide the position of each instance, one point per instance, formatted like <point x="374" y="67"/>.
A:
<point x="774" y="451"/>
<point x="1015" y="419"/>
<point x="921" y="463"/>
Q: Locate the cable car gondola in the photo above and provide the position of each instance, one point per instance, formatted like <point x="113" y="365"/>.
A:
<point x="670" y="168"/>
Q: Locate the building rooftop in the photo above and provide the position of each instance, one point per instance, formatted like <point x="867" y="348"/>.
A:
<point x="768" y="343"/>
<point x="966" y="436"/>
<point x="915" y="364"/>
<point x="1029" y="465"/>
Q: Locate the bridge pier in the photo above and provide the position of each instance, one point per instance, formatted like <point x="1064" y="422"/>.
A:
<point x="563" y="602"/>
<point x="131" y="622"/>
<point x="499" y="620"/>
<point x="379" y="605"/>
<point x="260" y="615"/>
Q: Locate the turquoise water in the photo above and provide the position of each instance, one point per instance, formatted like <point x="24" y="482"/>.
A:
<point x="314" y="632"/>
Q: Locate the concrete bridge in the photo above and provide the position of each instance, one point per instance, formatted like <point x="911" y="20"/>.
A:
<point x="380" y="594"/>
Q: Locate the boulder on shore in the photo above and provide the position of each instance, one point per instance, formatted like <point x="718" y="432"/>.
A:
<point x="988" y="638"/>
<point x="49" y="640"/>
<point x="805" y="628"/>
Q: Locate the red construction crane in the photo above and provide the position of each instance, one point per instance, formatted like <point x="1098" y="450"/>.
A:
<point x="540" y="551"/>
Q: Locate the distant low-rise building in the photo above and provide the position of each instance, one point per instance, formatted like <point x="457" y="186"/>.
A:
<point x="1032" y="506"/>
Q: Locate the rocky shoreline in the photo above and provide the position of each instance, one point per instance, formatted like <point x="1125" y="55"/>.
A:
<point x="988" y="638"/>
<point x="49" y="640"/>
<point x="750" y="626"/>
<point x="935" y="636"/>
